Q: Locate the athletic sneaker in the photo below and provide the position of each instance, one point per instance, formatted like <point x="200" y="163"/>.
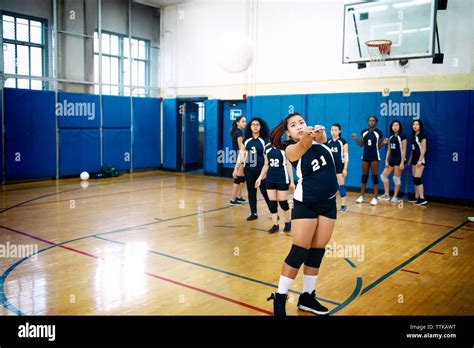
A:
<point x="421" y="201"/>
<point x="235" y="202"/>
<point x="274" y="229"/>
<point x="394" y="199"/>
<point x="374" y="201"/>
<point x="343" y="209"/>
<point x="308" y="303"/>
<point x="384" y="197"/>
<point x="360" y="199"/>
<point x="279" y="304"/>
<point x="287" y="227"/>
<point x="252" y="217"/>
<point x="241" y="200"/>
<point x="412" y="200"/>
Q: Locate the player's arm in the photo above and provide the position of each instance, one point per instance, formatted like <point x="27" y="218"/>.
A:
<point x="387" y="156"/>
<point x="404" y="153"/>
<point x="295" y="151"/>
<point x="289" y="168"/>
<point x="263" y="173"/>
<point x="346" y="157"/>
<point x="319" y="135"/>
<point x="360" y="141"/>
<point x="423" y="151"/>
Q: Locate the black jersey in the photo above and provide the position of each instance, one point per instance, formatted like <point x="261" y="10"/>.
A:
<point x="337" y="149"/>
<point x="316" y="172"/>
<point x="395" y="143"/>
<point x="254" y="148"/>
<point x="416" y="148"/>
<point x="235" y="145"/>
<point x="277" y="172"/>
<point x="371" y="144"/>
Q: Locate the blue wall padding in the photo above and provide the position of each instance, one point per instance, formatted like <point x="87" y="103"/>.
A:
<point x="116" y="145"/>
<point x="191" y="131"/>
<point x="146" y="133"/>
<point x="268" y="108"/>
<point x="469" y="178"/>
<point x="79" y="151"/>
<point x="211" y="139"/>
<point x="1" y="142"/>
<point x="30" y="134"/>
<point x="170" y="115"/>
<point x="81" y="106"/>
<point x="316" y="108"/>
<point x="116" y="112"/>
<point x="295" y="102"/>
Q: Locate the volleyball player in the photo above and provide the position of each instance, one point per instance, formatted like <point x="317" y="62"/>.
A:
<point x="417" y="160"/>
<point x="256" y="138"/>
<point x="371" y="141"/>
<point x="238" y="148"/>
<point x="314" y="210"/>
<point x="278" y="175"/>
<point x="340" y="152"/>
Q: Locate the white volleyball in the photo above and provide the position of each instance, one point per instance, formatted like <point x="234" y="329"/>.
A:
<point x="84" y="176"/>
<point x="234" y="52"/>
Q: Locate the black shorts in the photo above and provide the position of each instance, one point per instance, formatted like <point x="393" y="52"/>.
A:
<point x="339" y="168"/>
<point x="392" y="162"/>
<point x="275" y="186"/>
<point x="415" y="159"/>
<point x="325" y="208"/>
<point x="370" y="160"/>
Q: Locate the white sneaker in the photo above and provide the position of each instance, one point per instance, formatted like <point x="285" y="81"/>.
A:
<point x="394" y="199"/>
<point x="384" y="197"/>
<point x="360" y="199"/>
<point x="374" y="201"/>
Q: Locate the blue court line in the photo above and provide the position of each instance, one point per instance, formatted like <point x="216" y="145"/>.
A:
<point x="212" y="268"/>
<point x="403" y="264"/>
<point x="350" y="262"/>
<point x="351" y="298"/>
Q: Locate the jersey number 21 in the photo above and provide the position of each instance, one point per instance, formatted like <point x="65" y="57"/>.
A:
<point x="315" y="163"/>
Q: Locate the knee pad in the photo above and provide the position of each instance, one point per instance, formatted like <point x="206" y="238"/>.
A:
<point x="397" y="180"/>
<point x="273" y="206"/>
<point x="384" y="178"/>
<point x="342" y="190"/>
<point x="314" y="258"/>
<point x="375" y="179"/>
<point x="284" y="205"/>
<point x="417" y="181"/>
<point x="365" y="178"/>
<point x="296" y="257"/>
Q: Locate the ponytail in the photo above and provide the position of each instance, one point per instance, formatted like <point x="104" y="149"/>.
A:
<point x="234" y="125"/>
<point x="276" y="136"/>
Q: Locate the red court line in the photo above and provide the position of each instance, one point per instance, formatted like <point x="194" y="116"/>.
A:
<point x="191" y="189"/>
<point x="456" y="237"/>
<point x="399" y="219"/>
<point x="213" y="294"/>
<point x="406" y="270"/>
<point x="435" y="252"/>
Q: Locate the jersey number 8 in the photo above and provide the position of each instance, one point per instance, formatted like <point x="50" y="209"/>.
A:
<point x="315" y="163"/>
<point x="274" y="162"/>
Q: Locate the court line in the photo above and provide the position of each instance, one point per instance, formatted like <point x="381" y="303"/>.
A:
<point x="403" y="264"/>
<point x="350" y="262"/>
<point x="5" y="301"/>
<point x="211" y="268"/>
<point x="351" y="298"/>
<point x="407" y="270"/>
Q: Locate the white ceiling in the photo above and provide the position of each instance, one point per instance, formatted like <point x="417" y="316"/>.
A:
<point x="159" y="3"/>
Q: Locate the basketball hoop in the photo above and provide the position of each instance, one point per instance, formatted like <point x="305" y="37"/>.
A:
<point x="379" y="50"/>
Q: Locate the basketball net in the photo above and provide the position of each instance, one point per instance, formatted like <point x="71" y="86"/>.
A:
<point x="378" y="50"/>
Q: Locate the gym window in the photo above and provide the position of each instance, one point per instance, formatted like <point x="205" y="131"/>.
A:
<point x="24" y="50"/>
<point x="117" y="64"/>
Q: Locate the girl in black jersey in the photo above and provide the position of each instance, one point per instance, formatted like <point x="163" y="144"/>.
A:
<point x="340" y="152"/>
<point x="314" y="209"/>
<point x="256" y="138"/>
<point x="417" y="160"/>
<point x="371" y="141"/>
<point x="394" y="161"/>
<point x="278" y="175"/>
<point x="238" y="151"/>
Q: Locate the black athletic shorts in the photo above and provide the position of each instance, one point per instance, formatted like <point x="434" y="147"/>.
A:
<point x="327" y="208"/>
<point x="274" y="186"/>
<point x="370" y="160"/>
<point x="392" y="162"/>
<point x="415" y="159"/>
<point x="339" y="168"/>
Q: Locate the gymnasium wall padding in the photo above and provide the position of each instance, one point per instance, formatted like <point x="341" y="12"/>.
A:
<point x="116" y="112"/>
<point x="116" y="144"/>
<point x="469" y="178"/>
<point x="30" y="135"/>
<point x="170" y="115"/>
<point x="267" y="108"/>
<point x="78" y="111"/>
<point x="1" y="142"/>
<point x="146" y="133"/>
<point x="211" y="138"/>
<point x="79" y="151"/>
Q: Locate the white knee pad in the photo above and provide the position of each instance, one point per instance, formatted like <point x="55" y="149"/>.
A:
<point x="397" y="180"/>
<point x="384" y="178"/>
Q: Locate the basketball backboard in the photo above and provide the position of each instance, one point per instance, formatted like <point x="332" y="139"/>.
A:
<point x="408" y="24"/>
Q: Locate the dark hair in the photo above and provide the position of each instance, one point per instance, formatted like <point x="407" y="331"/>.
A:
<point x="374" y="117"/>
<point x="399" y="126"/>
<point x="278" y="132"/>
<point x="338" y="126"/>
<point x="234" y="125"/>
<point x="263" y="128"/>
<point x="421" y="127"/>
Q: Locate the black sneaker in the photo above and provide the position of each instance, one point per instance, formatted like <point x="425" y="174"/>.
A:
<point x="308" y="303"/>
<point x="279" y="304"/>
<point x="412" y="199"/>
<point x="274" y="229"/>
<point x="241" y="200"/>
<point x="252" y="217"/>
<point x="235" y="202"/>
<point x="287" y="227"/>
<point x="421" y="201"/>
<point x="343" y="209"/>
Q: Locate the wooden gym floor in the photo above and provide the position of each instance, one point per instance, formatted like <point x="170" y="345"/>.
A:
<point x="164" y="243"/>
